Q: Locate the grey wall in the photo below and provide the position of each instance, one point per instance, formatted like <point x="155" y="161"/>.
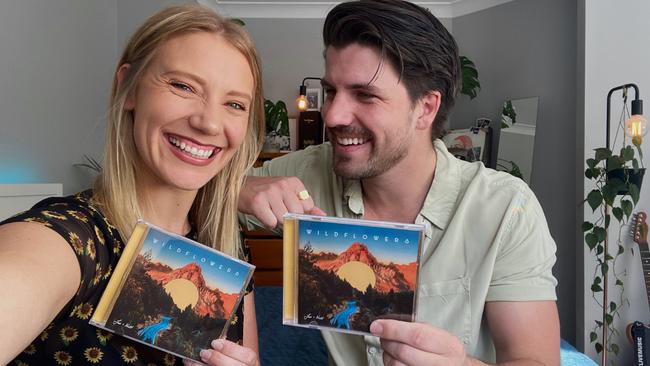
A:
<point x="289" y="49"/>
<point x="55" y="62"/>
<point x="527" y="48"/>
<point x="131" y="14"/>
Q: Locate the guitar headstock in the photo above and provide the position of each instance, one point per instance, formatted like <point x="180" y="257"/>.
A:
<point x="639" y="231"/>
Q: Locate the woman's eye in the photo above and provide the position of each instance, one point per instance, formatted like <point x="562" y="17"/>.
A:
<point x="182" y="86"/>
<point x="236" y="105"/>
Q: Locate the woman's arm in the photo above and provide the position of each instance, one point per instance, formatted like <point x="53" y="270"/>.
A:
<point x="39" y="274"/>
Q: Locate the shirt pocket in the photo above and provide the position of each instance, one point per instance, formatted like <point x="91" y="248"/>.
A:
<point x="446" y="305"/>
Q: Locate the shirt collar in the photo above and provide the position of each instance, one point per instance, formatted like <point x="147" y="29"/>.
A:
<point x="439" y="202"/>
<point x="443" y="193"/>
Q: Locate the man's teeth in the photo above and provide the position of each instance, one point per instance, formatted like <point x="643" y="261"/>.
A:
<point x="191" y="150"/>
<point x="349" y="141"/>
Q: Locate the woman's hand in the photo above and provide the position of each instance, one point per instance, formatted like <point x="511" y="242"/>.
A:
<point x="225" y="353"/>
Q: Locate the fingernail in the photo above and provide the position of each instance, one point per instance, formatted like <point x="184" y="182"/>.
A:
<point x="205" y="354"/>
<point x="217" y="344"/>
<point x="375" y="328"/>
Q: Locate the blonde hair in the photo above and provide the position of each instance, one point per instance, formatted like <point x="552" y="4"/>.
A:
<point x="214" y="211"/>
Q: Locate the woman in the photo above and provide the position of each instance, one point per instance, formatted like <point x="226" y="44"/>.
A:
<point x="186" y="121"/>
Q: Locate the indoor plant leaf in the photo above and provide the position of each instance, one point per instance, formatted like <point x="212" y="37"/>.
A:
<point x="602" y="153"/>
<point x="469" y="78"/>
<point x="634" y="193"/>
<point x="594" y="198"/>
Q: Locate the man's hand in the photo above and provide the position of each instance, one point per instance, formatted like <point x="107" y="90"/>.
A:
<point x="225" y="353"/>
<point x="269" y="198"/>
<point x="407" y="343"/>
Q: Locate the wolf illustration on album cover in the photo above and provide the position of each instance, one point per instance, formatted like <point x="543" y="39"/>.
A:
<point x="178" y="295"/>
<point x="349" y="275"/>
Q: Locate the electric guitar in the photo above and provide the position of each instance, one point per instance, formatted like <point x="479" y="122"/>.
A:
<point x="639" y="235"/>
<point x="638" y="333"/>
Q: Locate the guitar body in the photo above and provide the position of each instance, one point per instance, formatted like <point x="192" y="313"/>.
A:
<point x="638" y="333"/>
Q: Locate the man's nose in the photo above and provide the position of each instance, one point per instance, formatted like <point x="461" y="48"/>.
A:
<point x="338" y="111"/>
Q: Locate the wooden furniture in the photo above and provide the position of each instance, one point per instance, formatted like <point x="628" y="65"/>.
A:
<point x="265" y="246"/>
<point x="266" y="255"/>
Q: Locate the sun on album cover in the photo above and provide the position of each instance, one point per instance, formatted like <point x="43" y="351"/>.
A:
<point x="172" y="293"/>
<point x="348" y="273"/>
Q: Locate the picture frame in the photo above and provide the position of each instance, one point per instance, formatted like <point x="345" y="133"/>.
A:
<point x="314" y="97"/>
<point x="469" y="144"/>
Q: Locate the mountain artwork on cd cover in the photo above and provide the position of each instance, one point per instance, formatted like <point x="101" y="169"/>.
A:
<point x="350" y="275"/>
<point x="178" y="295"/>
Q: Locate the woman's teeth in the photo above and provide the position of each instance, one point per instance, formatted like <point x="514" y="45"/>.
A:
<point x="193" y="151"/>
<point x="349" y="141"/>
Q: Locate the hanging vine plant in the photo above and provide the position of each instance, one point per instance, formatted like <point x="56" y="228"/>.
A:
<point x="616" y="177"/>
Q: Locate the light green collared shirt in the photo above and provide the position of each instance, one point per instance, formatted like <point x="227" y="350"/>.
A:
<point x="486" y="239"/>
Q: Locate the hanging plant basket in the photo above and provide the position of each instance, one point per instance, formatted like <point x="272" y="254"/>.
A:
<point x="626" y="177"/>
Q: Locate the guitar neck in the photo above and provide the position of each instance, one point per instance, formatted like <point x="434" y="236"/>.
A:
<point x="645" y="263"/>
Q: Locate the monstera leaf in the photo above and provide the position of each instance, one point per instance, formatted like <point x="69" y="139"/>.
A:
<point x="277" y="118"/>
<point x="469" y="75"/>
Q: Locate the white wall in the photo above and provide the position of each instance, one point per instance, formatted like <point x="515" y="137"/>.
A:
<point x="55" y="62"/>
<point x="616" y="52"/>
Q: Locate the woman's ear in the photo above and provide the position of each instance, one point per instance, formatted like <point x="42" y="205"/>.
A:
<point x="428" y="109"/>
<point x="129" y="103"/>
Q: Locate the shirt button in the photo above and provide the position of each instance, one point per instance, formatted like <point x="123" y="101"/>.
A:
<point x="372" y="350"/>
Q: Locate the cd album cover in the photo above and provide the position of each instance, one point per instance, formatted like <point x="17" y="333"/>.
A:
<point x="172" y="293"/>
<point x="341" y="274"/>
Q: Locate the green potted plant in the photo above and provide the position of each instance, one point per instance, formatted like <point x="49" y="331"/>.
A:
<point x="469" y="78"/>
<point x="277" y="126"/>
<point x="616" y="180"/>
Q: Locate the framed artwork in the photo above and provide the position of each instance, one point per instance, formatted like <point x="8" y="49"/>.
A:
<point x="470" y="144"/>
<point x="313" y="96"/>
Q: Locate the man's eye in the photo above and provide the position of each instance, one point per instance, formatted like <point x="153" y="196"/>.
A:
<point x="329" y="92"/>
<point x="363" y="95"/>
<point x="236" y="105"/>
<point x="182" y="86"/>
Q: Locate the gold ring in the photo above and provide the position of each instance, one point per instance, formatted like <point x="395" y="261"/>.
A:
<point x="303" y="195"/>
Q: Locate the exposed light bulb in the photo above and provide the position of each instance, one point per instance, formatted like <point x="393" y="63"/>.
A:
<point x="301" y="103"/>
<point x="636" y="128"/>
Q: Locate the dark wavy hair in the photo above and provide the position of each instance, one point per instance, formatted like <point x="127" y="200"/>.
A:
<point x="415" y="43"/>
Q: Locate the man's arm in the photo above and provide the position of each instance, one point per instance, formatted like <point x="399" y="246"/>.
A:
<point x="524" y="333"/>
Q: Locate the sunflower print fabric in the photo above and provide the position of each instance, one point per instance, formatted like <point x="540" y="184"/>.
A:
<point x="69" y="339"/>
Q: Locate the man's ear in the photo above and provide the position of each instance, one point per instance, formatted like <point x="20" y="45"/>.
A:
<point x="129" y="103"/>
<point x="427" y="109"/>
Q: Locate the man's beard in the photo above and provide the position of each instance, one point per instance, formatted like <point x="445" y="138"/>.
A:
<point x="379" y="161"/>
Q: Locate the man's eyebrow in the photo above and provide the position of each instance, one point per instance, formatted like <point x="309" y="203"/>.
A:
<point x="355" y="86"/>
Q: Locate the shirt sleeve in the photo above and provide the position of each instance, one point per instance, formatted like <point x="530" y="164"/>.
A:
<point x="526" y="255"/>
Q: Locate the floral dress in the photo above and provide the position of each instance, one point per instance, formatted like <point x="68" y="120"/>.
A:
<point x="70" y="339"/>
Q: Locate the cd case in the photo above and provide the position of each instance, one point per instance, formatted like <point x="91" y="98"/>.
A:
<point x="172" y="293"/>
<point x="341" y="274"/>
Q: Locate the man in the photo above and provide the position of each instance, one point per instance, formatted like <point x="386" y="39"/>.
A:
<point x="486" y="292"/>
